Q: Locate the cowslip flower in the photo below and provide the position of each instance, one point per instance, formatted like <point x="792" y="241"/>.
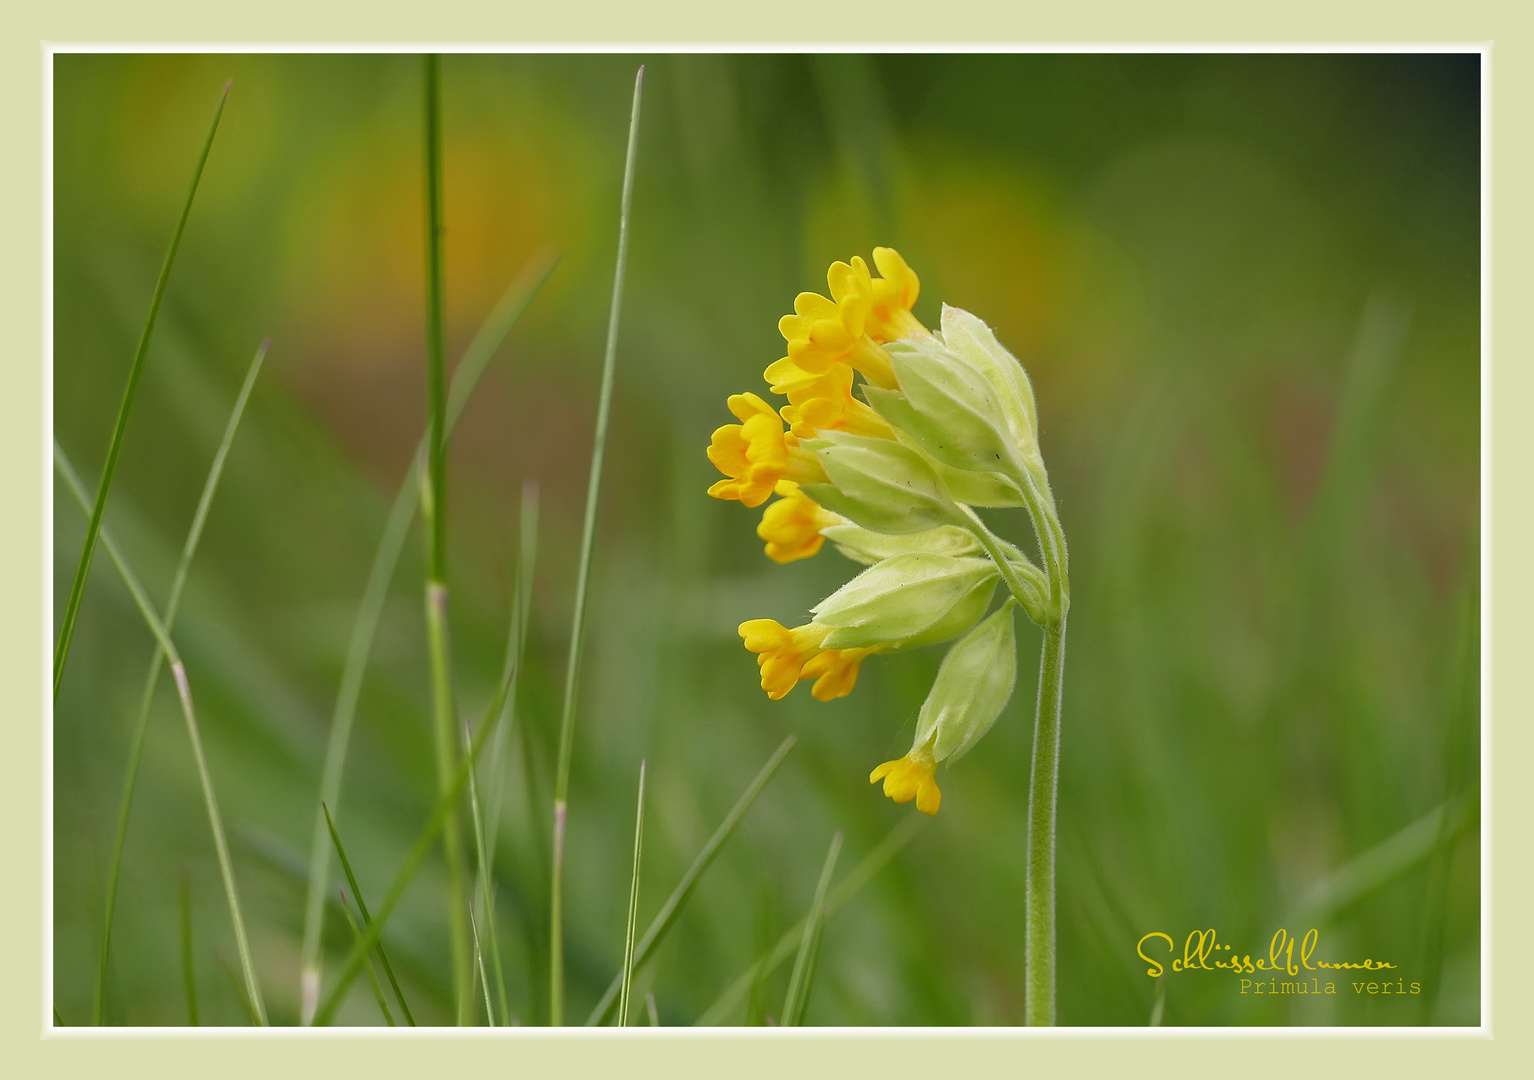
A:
<point x="792" y="526"/>
<point x="756" y="453"/>
<point x="943" y="422"/>
<point x="788" y="656"/>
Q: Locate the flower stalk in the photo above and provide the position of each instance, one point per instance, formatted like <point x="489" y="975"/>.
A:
<point x="947" y="423"/>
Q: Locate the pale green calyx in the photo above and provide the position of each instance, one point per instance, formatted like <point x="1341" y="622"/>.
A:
<point x="902" y="597"/>
<point x="879" y="484"/>
<point x="861" y="545"/>
<point x="972" y="687"/>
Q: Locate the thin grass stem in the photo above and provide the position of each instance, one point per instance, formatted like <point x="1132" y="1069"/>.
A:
<point x="435" y="515"/>
<point x="391" y="544"/>
<point x="578" y="625"/>
<point x="649" y="1004"/>
<point x="239" y="990"/>
<point x="152" y="680"/>
<point x="633" y="918"/>
<point x="119" y="430"/>
<point x="378" y="994"/>
<point x="667" y="916"/>
<point x="362" y="907"/>
<point x="188" y="968"/>
<point x="860" y="875"/>
<point x="184" y="693"/>
<point x="803" y="977"/>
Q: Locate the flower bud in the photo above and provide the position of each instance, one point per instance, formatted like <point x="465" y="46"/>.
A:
<point x="972" y="687"/>
<point x="879" y="484"/>
<point x="970" y="339"/>
<point x="899" y="598"/>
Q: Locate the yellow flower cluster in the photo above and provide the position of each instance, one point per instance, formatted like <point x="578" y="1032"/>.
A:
<point x="831" y="342"/>
<point x="828" y="340"/>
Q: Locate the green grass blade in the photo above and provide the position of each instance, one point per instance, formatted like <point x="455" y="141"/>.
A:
<point x="479" y="962"/>
<point x="58" y="1018"/>
<point x="516" y="650"/>
<point x="362" y="906"/>
<point x="1385" y="862"/>
<point x="861" y="874"/>
<point x="184" y="692"/>
<point x="674" y="903"/>
<point x="378" y="994"/>
<point x="578" y="625"/>
<point x="152" y="680"/>
<point x="483" y="855"/>
<point x="114" y="450"/>
<point x="649" y="1004"/>
<point x="487" y="341"/>
<point x="633" y="919"/>
<point x="239" y="991"/>
<point x="413" y="859"/>
<point x="188" y="969"/>
<point x="803" y="977"/>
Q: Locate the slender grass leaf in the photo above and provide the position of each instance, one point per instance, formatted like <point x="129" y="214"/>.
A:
<point x="803" y="976"/>
<point x="152" y="680"/>
<point x="114" y="450"/>
<point x="578" y="625"/>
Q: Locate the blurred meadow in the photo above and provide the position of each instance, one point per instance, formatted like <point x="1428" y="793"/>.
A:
<point x="1246" y="289"/>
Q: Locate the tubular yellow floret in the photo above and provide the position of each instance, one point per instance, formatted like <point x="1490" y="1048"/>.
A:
<point x="911" y="777"/>
<point x="791" y="526"/>
<point x="825" y="403"/>
<point x="782" y="652"/>
<point x="835" y="672"/>
<point x="894" y="294"/>
<point x="756" y="453"/>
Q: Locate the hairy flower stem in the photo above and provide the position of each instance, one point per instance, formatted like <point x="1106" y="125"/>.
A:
<point x="1044" y="779"/>
<point x="1043" y="789"/>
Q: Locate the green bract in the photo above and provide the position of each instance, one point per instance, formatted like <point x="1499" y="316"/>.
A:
<point x="861" y="545"/>
<point x="973" y="685"/>
<point x="900" y="598"/>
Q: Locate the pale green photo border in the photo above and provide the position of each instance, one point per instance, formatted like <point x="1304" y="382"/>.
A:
<point x="25" y="650"/>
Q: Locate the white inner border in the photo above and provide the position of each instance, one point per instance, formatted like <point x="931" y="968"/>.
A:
<point x="1483" y="49"/>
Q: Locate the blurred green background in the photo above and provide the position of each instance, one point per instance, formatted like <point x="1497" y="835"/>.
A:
<point x="1204" y="262"/>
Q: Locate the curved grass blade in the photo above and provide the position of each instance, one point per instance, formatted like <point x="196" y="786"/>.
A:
<point x="1386" y="861"/>
<point x="861" y="874"/>
<point x="673" y="906"/>
<point x="482" y="854"/>
<point x="479" y="962"/>
<point x="114" y="450"/>
<point x="184" y="692"/>
<point x="413" y="858"/>
<point x="803" y="977"/>
<point x="239" y="991"/>
<point x="152" y="680"/>
<point x="487" y="341"/>
<point x="578" y="625"/>
<point x="188" y="969"/>
<point x="633" y="919"/>
<point x="378" y="994"/>
<point x="362" y="906"/>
